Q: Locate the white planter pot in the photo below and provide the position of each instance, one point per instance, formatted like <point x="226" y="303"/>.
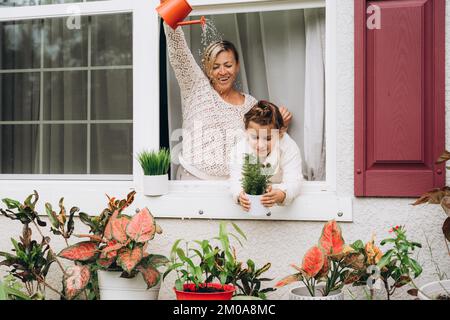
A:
<point x="256" y="207"/>
<point x="302" y="293"/>
<point x="432" y="290"/>
<point x="113" y="287"/>
<point x="156" y="185"/>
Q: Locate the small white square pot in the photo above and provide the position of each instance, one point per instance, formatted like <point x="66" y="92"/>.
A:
<point x="256" y="207"/>
<point x="302" y="293"/>
<point x="113" y="287"/>
<point x="156" y="185"/>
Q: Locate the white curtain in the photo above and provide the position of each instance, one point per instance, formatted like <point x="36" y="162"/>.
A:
<point x="282" y="60"/>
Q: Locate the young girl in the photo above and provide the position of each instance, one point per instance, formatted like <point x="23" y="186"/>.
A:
<point x="265" y="139"/>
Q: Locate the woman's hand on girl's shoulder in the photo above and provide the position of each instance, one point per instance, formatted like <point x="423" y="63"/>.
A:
<point x="287" y="117"/>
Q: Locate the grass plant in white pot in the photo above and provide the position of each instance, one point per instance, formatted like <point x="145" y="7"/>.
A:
<point x="255" y="181"/>
<point x="156" y="167"/>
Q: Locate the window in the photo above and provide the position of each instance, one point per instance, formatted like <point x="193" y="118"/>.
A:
<point x="281" y="60"/>
<point x="235" y="19"/>
<point x="66" y="96"/>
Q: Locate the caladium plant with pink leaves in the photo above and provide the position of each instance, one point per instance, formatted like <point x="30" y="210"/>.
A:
<point x="121" y="247"/>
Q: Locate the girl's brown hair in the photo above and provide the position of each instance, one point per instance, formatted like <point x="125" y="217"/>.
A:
<point x="264" y="113"/>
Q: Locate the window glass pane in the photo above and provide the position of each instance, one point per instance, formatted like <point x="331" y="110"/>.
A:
<point x="65" y="95"/>
<point x="64" y="150"/>
<point x="20" y="45"/>
<point x="19" y="149"/>
<point x="111" y="40"/>
<point x="112" y="149"/>
<point x="64" y="47"/>
<point x="112" y="94"/>
<point x="19" y="96"/>
<point x="19" y="3"/>
<point x="49" y="85"/>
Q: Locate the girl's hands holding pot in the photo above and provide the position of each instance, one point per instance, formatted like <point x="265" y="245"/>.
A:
<point x="272" y="197"/>
<point x="244" y="202"/>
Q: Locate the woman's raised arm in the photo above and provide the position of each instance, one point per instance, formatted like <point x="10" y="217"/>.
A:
<point x="186" y="69"/>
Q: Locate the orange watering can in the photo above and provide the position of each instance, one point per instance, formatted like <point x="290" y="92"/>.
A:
<point x="175" y="11"/>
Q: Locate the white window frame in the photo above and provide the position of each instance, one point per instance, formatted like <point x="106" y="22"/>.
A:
<point x="204" y="199"/>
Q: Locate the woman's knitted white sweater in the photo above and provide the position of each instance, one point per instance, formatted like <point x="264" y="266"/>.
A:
<point x="211" y="126"/>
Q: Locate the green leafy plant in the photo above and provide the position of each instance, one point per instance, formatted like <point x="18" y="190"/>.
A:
<point x="154" y="163"/>
<point x="441" y="197"/>
<point x="10" y="289"/>
<point x="30" y="260"/>
<point x="329" y="262"/>
<point x="397" y="267"/>
<point x="249" y="280"/>
<point x="119" y="243"/>
<point x="255" y="175"/>
<point x="362" y="260"/>
<point x="206" y="261"/>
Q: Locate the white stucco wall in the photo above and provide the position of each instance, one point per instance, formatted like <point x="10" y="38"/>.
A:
<point x="283" y="243"/>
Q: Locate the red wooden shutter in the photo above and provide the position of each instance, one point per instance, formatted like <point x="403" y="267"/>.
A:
<point x="399" y="98"/>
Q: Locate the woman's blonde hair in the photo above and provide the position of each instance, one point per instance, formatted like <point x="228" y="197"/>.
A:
<point x="213" y="50"/>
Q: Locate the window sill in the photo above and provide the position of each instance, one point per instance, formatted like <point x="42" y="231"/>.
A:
<point x="189" y="200"/>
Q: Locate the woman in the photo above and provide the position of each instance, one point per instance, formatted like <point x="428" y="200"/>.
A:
<point x="212" y="108"/>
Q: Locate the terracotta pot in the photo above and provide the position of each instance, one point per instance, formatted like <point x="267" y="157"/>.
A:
<point x="225" y="295"/>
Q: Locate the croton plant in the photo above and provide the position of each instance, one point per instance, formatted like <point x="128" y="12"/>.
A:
<point x="120" y="246"/>
<point x="329" y="262"/>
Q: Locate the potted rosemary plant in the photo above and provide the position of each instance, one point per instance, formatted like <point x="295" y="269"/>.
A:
<point x="255" y="180"/>
<point x="156" y="167"/>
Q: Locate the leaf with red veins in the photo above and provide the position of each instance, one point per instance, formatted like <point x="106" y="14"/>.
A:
<point x="82" y="251"/>
<point x="142" y="226"/>
<point x="75" y="280"/>
<point x="129" y="258"/>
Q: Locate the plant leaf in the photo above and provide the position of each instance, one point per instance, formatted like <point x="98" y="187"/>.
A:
<point x="82" y="251"/>
<point x="142" y="226"/>
<point x="75" y="280"/>
<point x="129" y="258"/>
<point x="289" y="279"/>
<point x="150" y="274"/>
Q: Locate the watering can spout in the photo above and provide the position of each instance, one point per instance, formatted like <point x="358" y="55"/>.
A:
<point x="174" y="12"/>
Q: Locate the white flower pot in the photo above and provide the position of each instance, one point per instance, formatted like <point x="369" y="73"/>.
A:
<point x="432" y="290"/>
<point x="302" y="293"/>
<point x="113" y="287"/>
<point x="156" y="185"/>
<point x="256" y="207"/>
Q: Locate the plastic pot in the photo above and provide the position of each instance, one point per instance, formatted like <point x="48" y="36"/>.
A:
<point x="302" y="293"/>
<point x="193" y="295"/>
<point x="156" y="185"/>
<point x="431" y="291"/>
<point x="113" y="287"/>
<point x="256" y="207"/>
